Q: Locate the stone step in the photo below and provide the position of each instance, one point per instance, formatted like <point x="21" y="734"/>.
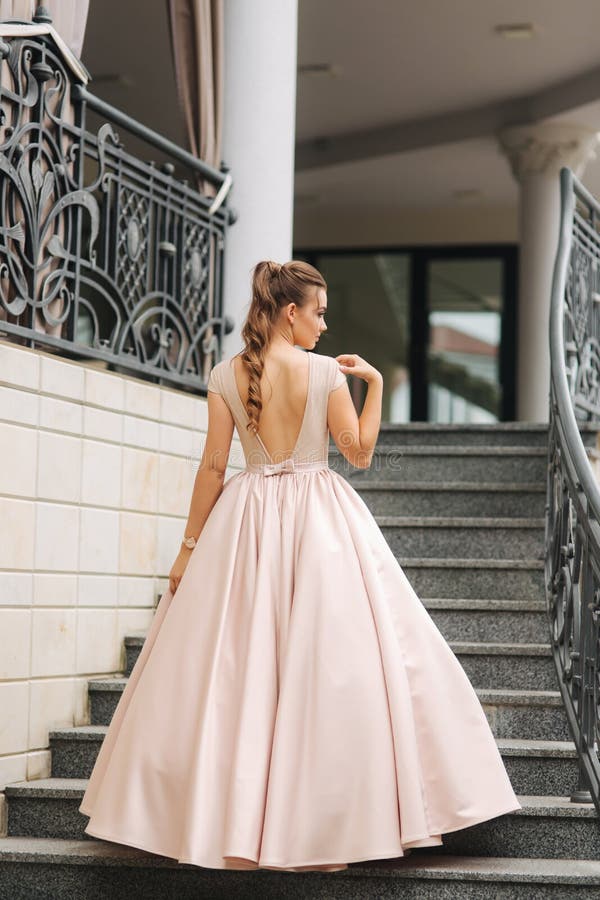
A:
<point x="525" y="714"/>
<point x="459" y="498"/>
<point x="512" y="666"/>
<point x="525" y="434"/>
<point x="441" y="536"/>
<point x="443" y="464"/>
<point x="546" y="825"/>
<point x="74" y="750"/>
<point x="133" y="645"/>
<point x="540" y="767"/>
<point x="506" y="621"/>
<point x="466" y="578"/>
<point x="52" y="869"/>
<point x="535" y="767"/>
<point x="458" y="619"/>
<point x="521" y="713"/>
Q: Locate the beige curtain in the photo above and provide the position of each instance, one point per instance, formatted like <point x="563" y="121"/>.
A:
<point x="196" y="29"/>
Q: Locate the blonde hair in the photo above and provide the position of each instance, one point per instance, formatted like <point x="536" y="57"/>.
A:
<point x="274" y="286"/>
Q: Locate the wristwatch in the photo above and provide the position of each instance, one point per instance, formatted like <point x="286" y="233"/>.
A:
<point x="189" y="542"/>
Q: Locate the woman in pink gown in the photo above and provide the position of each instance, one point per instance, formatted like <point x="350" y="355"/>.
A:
<point x="294" y="706"/>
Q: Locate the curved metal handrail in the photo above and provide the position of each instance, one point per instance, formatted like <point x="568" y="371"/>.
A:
<point x="572" y="529"/>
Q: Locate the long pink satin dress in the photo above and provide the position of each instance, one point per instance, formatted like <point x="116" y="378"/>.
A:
<point x="294" y="705"/>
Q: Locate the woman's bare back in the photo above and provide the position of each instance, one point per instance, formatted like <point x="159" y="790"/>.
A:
<point x="284" y="394"/>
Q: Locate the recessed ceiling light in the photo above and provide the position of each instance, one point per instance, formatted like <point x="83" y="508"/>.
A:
<point x="515" y="30"/>
<point x="320" y="69"/>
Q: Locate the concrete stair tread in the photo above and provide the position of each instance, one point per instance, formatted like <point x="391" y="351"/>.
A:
<point x="501" y="486"/>
<point x="452" y="450"/>
<point x="521" y="697"/>
<point x="459" y="521"/>
<point x="443" y="562"/>
<point x="539" y="805"/>
<point x="482" y="603"/>
<point x="74" y="788"/>
<point x="488" y="648"/>
<point x="48" y="787"/>
<point x="515" y="746"/>
<point x="472" y="868"/>
<point x="112" y="683"/>
<point x="527" y="747"/>
<point x="79" y="732"/>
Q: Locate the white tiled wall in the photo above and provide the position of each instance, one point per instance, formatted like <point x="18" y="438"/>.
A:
<point x="95" y="484"/>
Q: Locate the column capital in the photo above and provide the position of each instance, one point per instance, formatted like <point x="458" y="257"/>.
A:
<point x="543" y="148"/>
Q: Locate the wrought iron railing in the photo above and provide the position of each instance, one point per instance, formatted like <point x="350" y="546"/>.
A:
<point x="104" y="255"/>
<point x="572" y="534"/>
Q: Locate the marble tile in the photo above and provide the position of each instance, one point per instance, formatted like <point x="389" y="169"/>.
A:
<point x="16" y="588"/>
<point x="61" y="415"/>
<point x="177" y="407"/>
<point x="18" y="539"/>
<point x="53" y="637"/>
<point x="97" y="590"/>
<point x="19" y="365"/>
<point x="19" y="406"/>
<point x="59" y="467"/>
<point x="142" y="399"/>
<point x="51" y="705"/>
<point x="15" y="643"/>
<point x="175" y="485"/>
<point x="51" y="589"/>
<point x="137" y="552"/>
<point x="14" y="703"/>
<point x="62" y="378"/>
<point x="39" y="764"/>
<point x="139" y="432"/>
<point x="12" y="768"/>
<point x="56" y="537"/>
<point x="98" y="646"/>
<point x="136" y="591"/>
<point x="139" y="481"/>
<point x="102" y="424"/>
<point x="19" y="457"/>
<point x="99" y="544"/>
<point x="104" y="389"/>
<point x="101" y="473"/>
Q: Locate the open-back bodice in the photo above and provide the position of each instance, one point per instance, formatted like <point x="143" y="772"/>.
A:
<point x="312" y="444"/>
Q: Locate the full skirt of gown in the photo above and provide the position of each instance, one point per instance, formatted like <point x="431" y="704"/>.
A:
<point x="294" y="704"/>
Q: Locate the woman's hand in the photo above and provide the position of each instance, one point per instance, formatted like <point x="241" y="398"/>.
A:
<point x="178" y="568"/>
<point x="353" y="364"/>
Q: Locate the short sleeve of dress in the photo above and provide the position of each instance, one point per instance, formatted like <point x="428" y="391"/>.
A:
<point x="337" y="377"/>
<point x="214" y="380"/>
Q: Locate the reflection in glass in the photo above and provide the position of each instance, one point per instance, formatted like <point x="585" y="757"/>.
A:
<point x="464" y="331"/>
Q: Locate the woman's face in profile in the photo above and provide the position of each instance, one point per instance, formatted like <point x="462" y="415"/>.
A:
<point x="309" y="320"/>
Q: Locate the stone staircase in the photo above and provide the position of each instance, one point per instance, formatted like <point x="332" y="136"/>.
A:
<point x="463" y="510"/>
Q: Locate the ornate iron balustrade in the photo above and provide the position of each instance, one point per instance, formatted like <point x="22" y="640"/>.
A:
<point x="103" y="255"/>
<point x="572" y="531"/>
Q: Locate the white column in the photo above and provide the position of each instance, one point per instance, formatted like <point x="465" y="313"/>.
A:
<point x="536" y="154"/>
<point x="258" y="142"/>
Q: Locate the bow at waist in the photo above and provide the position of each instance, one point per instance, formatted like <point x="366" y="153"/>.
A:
<point x="288" y="467"/>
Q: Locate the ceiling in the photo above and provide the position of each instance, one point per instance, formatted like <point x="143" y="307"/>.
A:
<point x="426" y="80"/>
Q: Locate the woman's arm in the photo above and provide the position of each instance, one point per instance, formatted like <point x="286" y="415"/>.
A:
<point x="354" y="436"/>
<point x="209" y="480"/>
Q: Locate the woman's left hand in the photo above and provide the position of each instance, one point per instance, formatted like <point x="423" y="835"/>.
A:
<point x="178" y="568"/>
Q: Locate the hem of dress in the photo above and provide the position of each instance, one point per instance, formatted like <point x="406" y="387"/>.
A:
<point x="399" y="852"/>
